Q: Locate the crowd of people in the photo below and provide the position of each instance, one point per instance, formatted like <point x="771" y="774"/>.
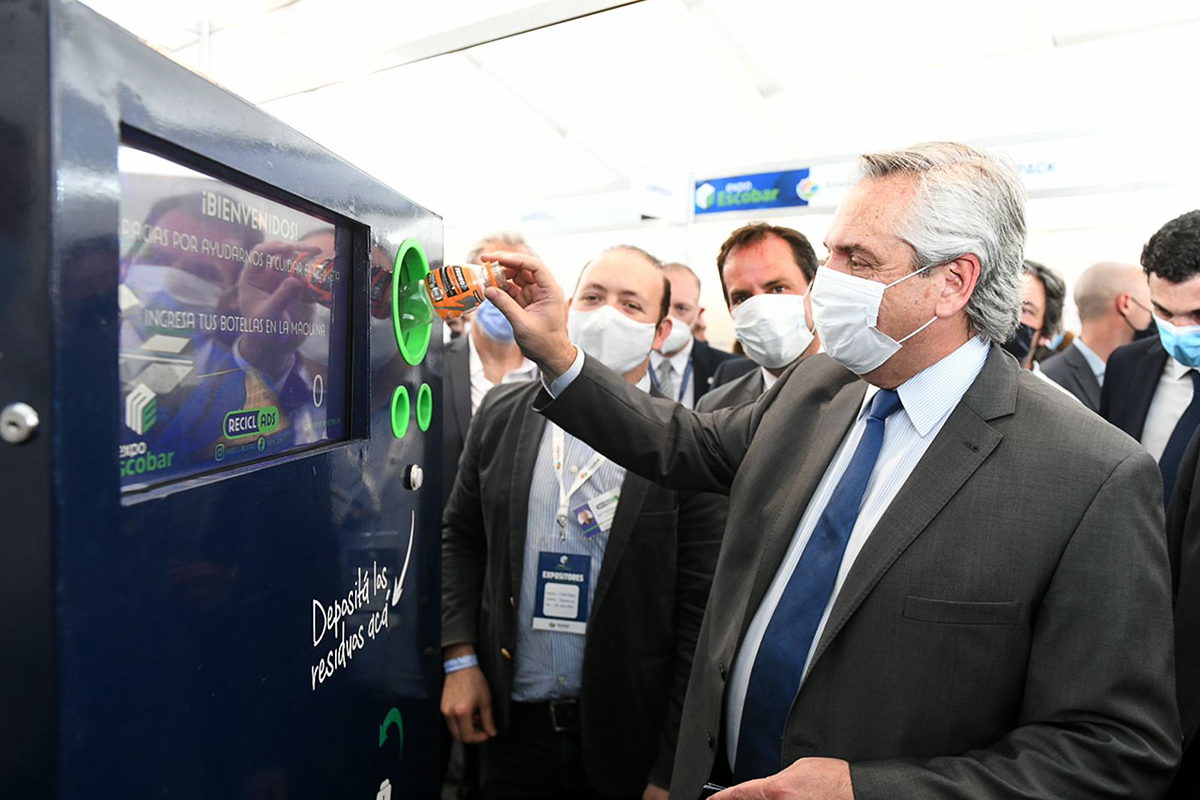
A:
<point x="917" y="540"/>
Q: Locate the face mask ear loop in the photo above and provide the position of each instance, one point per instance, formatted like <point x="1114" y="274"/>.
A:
<point x="909" y="275"/>
<point x="918" y="330"/>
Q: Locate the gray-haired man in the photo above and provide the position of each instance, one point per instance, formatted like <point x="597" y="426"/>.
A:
<point x="905" y="605"/>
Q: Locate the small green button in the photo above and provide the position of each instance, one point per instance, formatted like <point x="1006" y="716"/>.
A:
<point x="400" y="412"/>
<point x="424" y="407"/>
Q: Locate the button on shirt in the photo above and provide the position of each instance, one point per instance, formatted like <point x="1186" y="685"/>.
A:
<point x="548" y="665"/>
<point x="1171" y="399"/>
<point x="927" y="399"/>
<point x="679" y="362"/>
<point x="480" y="385"/>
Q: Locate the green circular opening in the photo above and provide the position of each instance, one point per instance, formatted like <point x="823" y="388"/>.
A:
<point x="424" y="407"/>
<point x="400" y="410"/>
<point x="412" y="313"/>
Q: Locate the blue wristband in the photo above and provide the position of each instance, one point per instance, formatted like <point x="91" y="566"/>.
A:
<point x="462" y="662"/>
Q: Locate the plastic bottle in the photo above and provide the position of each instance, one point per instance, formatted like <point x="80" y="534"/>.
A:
<point x="456" y="289"/>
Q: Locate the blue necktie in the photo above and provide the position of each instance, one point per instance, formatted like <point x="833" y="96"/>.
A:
<point x="1173" y="453"/>
<point x="779" y="665"/>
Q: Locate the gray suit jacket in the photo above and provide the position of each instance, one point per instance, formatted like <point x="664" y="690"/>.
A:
<point x="1070" y="370"/>
<point x="745" y="389"/>
<point x="649" y="598"/>
<point x="1004" y="633"/>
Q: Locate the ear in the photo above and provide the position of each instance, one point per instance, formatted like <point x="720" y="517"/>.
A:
<point x="1122" y="303"/>
<point x="960" y="278"/>
<point x="661" y="333"/>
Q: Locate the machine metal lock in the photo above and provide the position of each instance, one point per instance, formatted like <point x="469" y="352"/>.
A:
<point x="18" y="423"/>
<point x="414" y="477"/>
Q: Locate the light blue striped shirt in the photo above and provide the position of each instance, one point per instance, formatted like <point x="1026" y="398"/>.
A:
<point x="548" y="665"/>
<point x="927" y="398"/>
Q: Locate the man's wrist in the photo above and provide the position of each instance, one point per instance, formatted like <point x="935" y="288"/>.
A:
<point x="460" y="663"/>
<point x="560" y="362"/>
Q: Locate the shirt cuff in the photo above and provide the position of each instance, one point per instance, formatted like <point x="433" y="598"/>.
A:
<point x="559" y="385"/>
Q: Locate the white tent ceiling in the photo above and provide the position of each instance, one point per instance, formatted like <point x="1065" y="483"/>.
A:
<point x="669" y="89"/>
<point x="673" y="87"/>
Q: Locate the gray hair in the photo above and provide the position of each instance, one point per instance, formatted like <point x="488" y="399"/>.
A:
<point x="967" y="202"/>
<point x="509" y="239"/>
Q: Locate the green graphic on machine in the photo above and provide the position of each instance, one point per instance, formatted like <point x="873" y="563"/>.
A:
<point x="250" y="422"/>
<point x="392" y="718"/>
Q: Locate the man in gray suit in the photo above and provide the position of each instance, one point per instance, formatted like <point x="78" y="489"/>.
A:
<point x="1113" y="301"/>
<point x="765" y="274"/>
<point x="913" y="598"/>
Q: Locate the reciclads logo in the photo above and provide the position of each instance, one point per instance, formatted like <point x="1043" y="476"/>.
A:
<point x="250" y="422"/>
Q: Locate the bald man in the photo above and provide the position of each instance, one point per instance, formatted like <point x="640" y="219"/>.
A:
<point x="1114" y="309"/>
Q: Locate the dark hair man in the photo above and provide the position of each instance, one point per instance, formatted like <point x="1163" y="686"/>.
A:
<point x="913" y="597"/>
<point x="1043" y="294"/>
<point x="573" y="591"/>
<point x="683" y="367"/>
<point x="765" y="274"/>
<point x="1113" y="302"/>
<point x="1150" y="388"/>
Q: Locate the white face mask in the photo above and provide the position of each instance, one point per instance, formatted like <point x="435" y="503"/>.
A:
<point x="620" y="343"/>
<point x="681" y="334"/>
<point x="772" y="329"/>
<point x="159" y="286"/>
<point x="846" y="311"/>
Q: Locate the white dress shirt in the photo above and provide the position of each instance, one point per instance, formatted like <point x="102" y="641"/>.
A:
<point x="680" y="363"/>
<point x="927" y="400"/>
<point x="480" y="385"/>
<point x="1171" y="399"/>
<point x="768" y="379"/>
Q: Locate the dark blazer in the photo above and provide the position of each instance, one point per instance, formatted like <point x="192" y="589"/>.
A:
<point x="1130" y="380"/>
<point x="705" y="360"/>
<point x="649" y="597"/>
<point x="457" y="417"/>
<point x="1183" y="544"/>
<point x="731" y="369"/>
<point x="1070" y="370"/>
<point x="745" y="389"/>
<point x="1005" y="632"/>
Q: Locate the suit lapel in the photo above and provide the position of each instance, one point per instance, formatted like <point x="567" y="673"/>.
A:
<point x="962" y="445"/>
<point x="1089" y="387"/>
<point x="460" y="391"/>
<point x="1145" y="383"/>
<point x="629" y="508"/>
<point x="807" y="462"/>
<point x="533" y="425"/>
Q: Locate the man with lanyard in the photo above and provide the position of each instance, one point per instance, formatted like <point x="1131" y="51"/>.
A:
<point x="682" y="367"/>
<point x="572" y="591"/>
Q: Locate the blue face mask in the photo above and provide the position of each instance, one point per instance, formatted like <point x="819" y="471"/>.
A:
<point x="1182" y="344"/>
<point x="493" y="322"/>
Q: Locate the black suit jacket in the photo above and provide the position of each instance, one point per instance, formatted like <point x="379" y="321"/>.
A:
<point x="1130" y="380"/>
<point x="649" y="597"/>
<point x="1005" y="631"/>
<point x="1183" y="545"/>
<point x="705" y="360"/>
<point x="1070" y="370"/>
<point x="457" y="417"/>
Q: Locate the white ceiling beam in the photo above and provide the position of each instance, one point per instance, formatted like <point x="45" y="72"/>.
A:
<point x="543" y="15"/>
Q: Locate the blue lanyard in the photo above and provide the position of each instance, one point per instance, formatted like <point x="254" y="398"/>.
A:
<point x="687" y="373"/>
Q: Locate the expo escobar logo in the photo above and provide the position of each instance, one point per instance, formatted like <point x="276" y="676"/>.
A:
<point x="141" y="412"/>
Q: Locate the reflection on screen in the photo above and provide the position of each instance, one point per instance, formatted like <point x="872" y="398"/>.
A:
<point x="234" y="318"/>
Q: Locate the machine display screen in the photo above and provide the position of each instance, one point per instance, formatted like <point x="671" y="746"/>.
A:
<point x="234" y="323"/>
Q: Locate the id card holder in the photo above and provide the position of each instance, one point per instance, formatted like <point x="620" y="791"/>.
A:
<point x="561" y="603"/>
<point x="596" y="516"/>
